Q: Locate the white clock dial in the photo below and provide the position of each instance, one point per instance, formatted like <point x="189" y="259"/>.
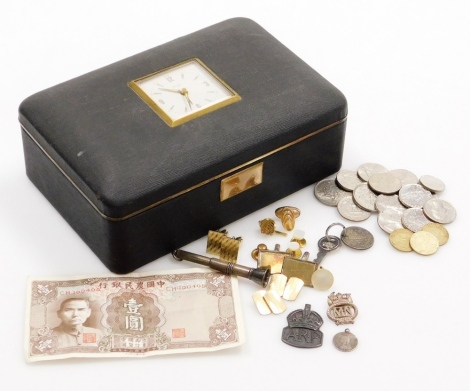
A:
<point x="184" y="91"/>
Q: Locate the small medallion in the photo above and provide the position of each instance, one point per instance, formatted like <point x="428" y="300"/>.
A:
<point x="345" y="341"/>
<point x="341" y="310"/>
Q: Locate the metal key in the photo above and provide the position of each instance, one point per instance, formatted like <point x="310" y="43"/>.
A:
<point x="326" y="245"/>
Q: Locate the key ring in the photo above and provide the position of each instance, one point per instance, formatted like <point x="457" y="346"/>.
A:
<point x="328" y="237"/>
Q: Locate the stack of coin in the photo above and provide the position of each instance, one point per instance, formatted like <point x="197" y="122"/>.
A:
<point x="401" y="200"/>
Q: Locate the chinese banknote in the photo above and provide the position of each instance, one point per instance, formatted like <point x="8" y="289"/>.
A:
<point x="179" y="311"/>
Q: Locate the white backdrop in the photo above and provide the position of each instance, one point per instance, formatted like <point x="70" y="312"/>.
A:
<point x="404" y="68"/>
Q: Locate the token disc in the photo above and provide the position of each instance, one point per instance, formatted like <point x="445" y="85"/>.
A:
<point x="357" y="238"/>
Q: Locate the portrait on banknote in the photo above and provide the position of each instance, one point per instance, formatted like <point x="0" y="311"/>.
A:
<point x="133" y="315"/>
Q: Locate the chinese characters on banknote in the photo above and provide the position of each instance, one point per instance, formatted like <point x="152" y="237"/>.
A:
<point x="180" y="311"/>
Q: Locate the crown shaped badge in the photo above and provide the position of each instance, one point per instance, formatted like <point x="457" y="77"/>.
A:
<point x="305" y="318"/>
<point x="339" y="298"/>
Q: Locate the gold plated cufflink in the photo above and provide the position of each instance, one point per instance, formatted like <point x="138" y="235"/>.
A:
<point x="288" y="214"/>
<point x="218" y="243"/>
<point x="268" y="227"/>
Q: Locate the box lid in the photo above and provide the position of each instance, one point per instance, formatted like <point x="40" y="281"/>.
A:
<point x="125" y="159"/>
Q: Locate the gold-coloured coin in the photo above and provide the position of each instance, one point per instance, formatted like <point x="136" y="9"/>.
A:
<point x="400" y="239"/>
<point x="424" y="243"/>
<point x="439" y="231"/>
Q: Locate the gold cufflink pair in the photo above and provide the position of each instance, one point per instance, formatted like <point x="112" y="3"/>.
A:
<point x="219" y="243"/>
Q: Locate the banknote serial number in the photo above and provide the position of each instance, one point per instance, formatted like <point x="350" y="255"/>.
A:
<point x="185" y="287"/>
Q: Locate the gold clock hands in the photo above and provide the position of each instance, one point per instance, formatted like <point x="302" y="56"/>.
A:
<point x="185" y="93"/>
<point x="171" y="90"/>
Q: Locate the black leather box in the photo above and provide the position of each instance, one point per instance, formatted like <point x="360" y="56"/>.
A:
<point x="135" y="186"/>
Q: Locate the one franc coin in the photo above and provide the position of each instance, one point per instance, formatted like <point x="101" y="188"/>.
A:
<point x="390" y="220"/>
<point x="328" y="193"/>
<point x="432" y="183"/>
<point x="414" y="196"/>
<point x="384" y="183"/>
<point x="348" y="179"/>
<point x="439" y="211"/>
<point x="384" y="202"/>
<point x="414" y="219"/>
<point x="364" y="197"/>
<point x="367" y="169"/>
<point x="406" y="177"/>
<point x="350" y="211"/>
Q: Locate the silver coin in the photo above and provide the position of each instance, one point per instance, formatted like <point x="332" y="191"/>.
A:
<point x="349" y="210"/>
<point x="384" y="202"/>
<point x="328" y="193"/>
<point x="364" y="197"/>
<point x="384" y="183"/>
<point x="348" y="179"/>
<point x="440" y="211"/>
<point x="345" y="341"/>
<point x="390" y="220"/>
<point x="406" y="177"/>
<point x="367" y="169"/>
<point x="357" y="238"/>
<point x="432" y="183"/>
<point x="414" y="196"/>
<point x="414" y="219"/>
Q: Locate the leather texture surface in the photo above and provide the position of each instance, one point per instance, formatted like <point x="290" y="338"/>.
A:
<point x="125" y="158"/>
<point x="93" y="137"/>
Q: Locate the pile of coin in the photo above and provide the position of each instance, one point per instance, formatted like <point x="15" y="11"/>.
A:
<point x="401" y="200"/>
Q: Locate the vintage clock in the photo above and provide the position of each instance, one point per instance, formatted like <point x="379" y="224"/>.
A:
<point x="184" y="91"/>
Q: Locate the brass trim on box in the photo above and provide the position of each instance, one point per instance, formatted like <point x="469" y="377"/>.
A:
<point x="241" y="181"/>
<point x="109" y="218"/>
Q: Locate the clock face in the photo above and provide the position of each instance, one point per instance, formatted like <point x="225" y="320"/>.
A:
<point x="184" y="91"/>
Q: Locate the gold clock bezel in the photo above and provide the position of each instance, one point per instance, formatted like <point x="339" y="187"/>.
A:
<point x="235" y="97"/>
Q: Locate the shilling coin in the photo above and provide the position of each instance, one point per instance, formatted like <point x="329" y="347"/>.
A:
<point x="390" y="220"/>
<point x="348" y="179"/>
<point x="400" y="239"/>
<point x="357" y="238"/>
<point x="406" y="177"/>
<point x="432" y="183"/>
<point x="367" y="169"/>
<point x="439" y="231"/>
<point x="384" y="201"/>
<point x="345" y="341"/>
<point x="349" y="210"/>
<point x="439" y="211"/>
<point x="414" y="196"/>
<point x="414" y="219"/>
<point x="365" y="197"/>
<point x="424" y="243"/>
<point x="328" y="193"/>
<point x="384" y="183"/>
